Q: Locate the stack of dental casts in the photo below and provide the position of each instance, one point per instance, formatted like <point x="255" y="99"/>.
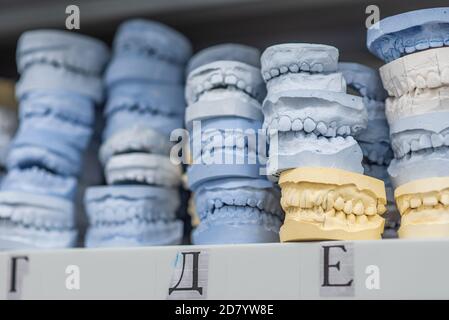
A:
<point x="415" y="48"/>
<point x="8" y="120"/>
<point x="145" y="104"/>
<point x="311" y="122"/>
<point x="234" y="202"/>
<point x="375" y="140"/>
<point x="60" y="85"/>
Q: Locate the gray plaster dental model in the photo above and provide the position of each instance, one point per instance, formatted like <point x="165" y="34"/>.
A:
<point x="60" y="61"/>
<point x="142" y="168"/>
<point x="406" y="33"/>
<point x="307" y="106"/>
<point x="148" y="50"/>
<point x="131" y="215"/>
<point x="237" y="211"/>
<point x="31" y="220"/>
<point x="375" y="140"/>
<point x="225" y="51"/>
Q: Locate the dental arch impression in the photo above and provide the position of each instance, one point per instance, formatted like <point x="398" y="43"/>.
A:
<point x="417" y="81"/>
<point x="325" y="195"/>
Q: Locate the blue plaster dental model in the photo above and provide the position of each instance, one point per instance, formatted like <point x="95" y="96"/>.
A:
<point x="226" y="51"/>
<point x="416" y="76"/>
<point x="309" y="110"/>
<point x="60" y="61"/>
<point x="132" y="215"/>
<point x="237" y="210"/>
<point x="148" y="50"/>
<point x="31" y="220"/>
<point x="406" y="33"/>
<point x="59" y="86"/>
<point x="145" y="104"/>
<point x="375" y="140"/>
<point x="152" y="169"/>
<point x="234" y="202"/>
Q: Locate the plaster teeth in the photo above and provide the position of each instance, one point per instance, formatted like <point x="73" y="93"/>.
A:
<point x="231" y="80"/>
<point x="445" y="199"/>
<point x="414" y="145"/>
<point x="433" y="80"/>
<point x="293" y="68"/>
<point x="425" y="141"/>
<point x="422" y="45"/>
<point x="339" y="204"/>
<point x="348" y="207"/>
<point x="381" y="209"/>
<point x="284" y="123"/>
<point x="437" y="140"/>
<point x="420" y="82"/>
<point x="317" y="67"/>
<point x="351" y="218"/>
<point x="266" y="76"/>
<point x="305" y="67"/>
<point x="283" y="69"/>
<point x="370" y="211"/>
<point x="361" y="219"/>
<point x="241" y="84"/>
<point x="309" y="125"/>
<point x="430" y="201"/>
<point x="415" y="203"/>
<point x="207" y="85"/>
<point x="297" y="125"/>
<point x="321" y="127"/>
<point x="340" y="215"/>
<point x="216" y="79"/>
<point x="358" y="208"/>
<point x="274" y="72"/>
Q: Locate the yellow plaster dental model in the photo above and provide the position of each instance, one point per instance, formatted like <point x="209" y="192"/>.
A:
<point x="424" y="208"/>
<point x="331" y="204"/>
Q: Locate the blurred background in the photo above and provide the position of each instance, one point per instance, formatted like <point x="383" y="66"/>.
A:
<point x="206" y="22"/>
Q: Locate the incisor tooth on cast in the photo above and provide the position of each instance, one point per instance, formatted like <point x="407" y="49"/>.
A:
<point x="430" y="201"/>
<point x="358" y="208"/>
<point x="339" y="203"/>
<point x="348" y="207"/>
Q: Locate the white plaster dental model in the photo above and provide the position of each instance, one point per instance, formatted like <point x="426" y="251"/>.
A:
<point x="131" y="215"/>
<point x="311" y="113"/>
<point x="417" y="81"/>
<point x="331" y="204"/>
<point x="146" y="168"/>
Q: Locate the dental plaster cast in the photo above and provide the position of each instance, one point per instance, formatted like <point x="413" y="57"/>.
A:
<point x="308" y="110"/>
<point x="229" y="78"/>
<point x="418" y="115"/>
<point x="132" y="215"/>
<point x="39" y="181"/>
<point x="375" y="140"/>
<point x="225" y="51"/>
<point x="331" y="204"/>
<point x="148" y="50"/>
<point x="410" y="32"/>
<point x="73" y="63"/>
<point x="29" y="220"/>
<point x="423" y="205"/>
<point x="8" y="117"/>
<point x="237" y="211"/>
<point x="144" y="168"/>
<point x="143" y="104"/>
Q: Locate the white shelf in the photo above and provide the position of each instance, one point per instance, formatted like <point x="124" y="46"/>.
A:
<point x="407" y="270"/>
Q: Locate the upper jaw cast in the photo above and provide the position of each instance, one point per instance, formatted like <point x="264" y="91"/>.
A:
<point x="307" y="100"/>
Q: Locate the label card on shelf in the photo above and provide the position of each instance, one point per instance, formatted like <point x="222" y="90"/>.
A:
<point x="17" y="270"/>
<point x="190" y="275"/>
<point x="337" y="269"/>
